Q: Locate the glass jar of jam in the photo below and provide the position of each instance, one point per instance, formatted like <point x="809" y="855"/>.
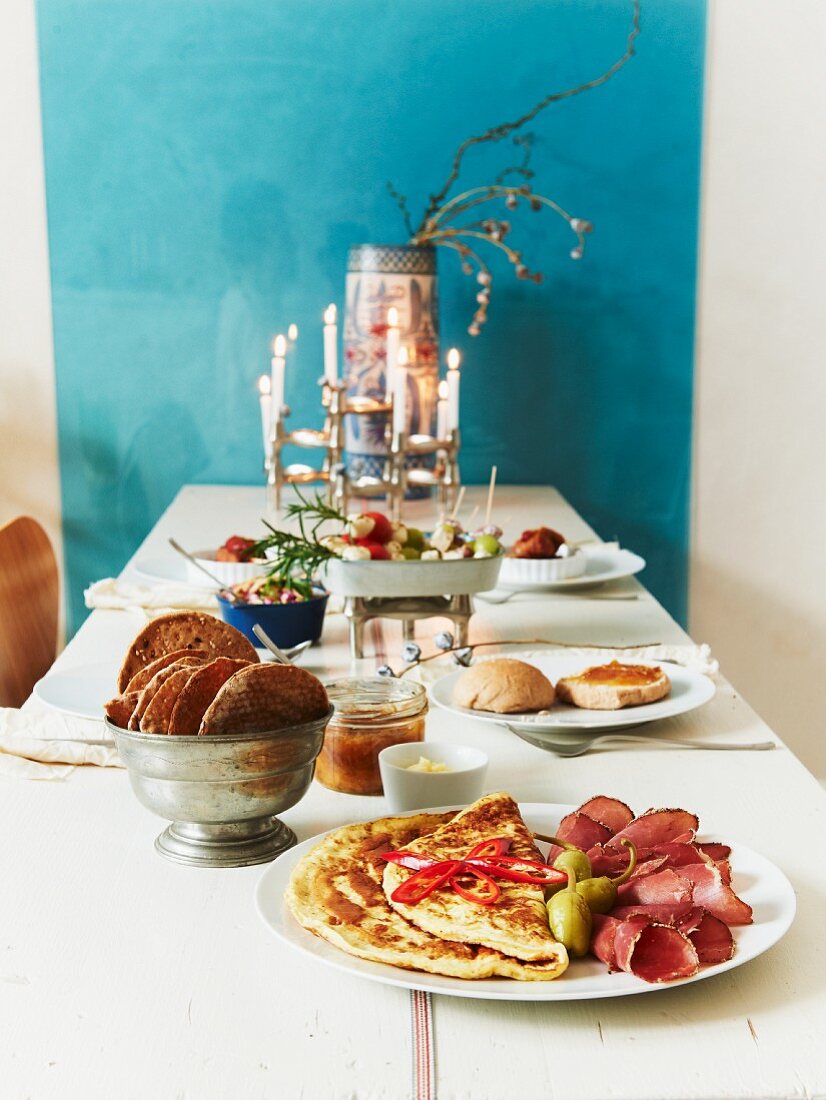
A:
<point x="370" y="714"/>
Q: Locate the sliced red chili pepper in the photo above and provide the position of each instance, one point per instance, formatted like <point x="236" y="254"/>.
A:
<point x="485" y="849"/>
<point x="490" y="894"/>
<point x="424" y="882"/>
<point x="413" y="860"/>
<point x="520" y="870"/>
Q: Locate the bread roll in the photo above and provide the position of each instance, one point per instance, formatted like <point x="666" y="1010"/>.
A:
<point x="612" y="686"/>
<point x="504" y="687"/>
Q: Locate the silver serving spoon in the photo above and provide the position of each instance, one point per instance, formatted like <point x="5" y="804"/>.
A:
<point x="265" y="640"/>
<point x="222" y="588"/>
<point x="578" y="746"/>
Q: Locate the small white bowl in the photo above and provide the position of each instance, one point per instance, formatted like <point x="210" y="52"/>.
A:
<point x="227" y="572"/>
<point x="407" y="790"/>
<point x="519" y="571"/>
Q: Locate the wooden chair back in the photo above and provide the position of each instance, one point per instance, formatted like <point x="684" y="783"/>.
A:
<point x="29" y="598"/>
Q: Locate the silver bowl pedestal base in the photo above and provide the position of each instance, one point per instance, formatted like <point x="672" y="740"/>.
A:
<point x="232" y="844"/>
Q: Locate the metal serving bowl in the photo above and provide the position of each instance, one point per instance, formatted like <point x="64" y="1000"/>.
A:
<point x="222" y="793"/>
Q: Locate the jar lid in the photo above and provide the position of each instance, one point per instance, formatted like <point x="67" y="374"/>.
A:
<point x="375" y="699"/>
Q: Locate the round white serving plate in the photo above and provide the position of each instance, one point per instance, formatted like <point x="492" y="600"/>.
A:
<point x="689" y="690"/>
<point x="757" y="881"/>
<point x="456" y="577"/>
<point x="79" y="692"/>
<point x="601" y="566"/>
<point x="227" y="572"/>
<point x="173" y="569"/>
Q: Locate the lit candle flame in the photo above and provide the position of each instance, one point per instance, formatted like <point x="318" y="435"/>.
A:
<point x="330" y="314"/>
<point x="264" y="385"/>
<point x="279" y="347"/>
<point x="393" y="317"/>
<point x="453" y="359"/>
<point x="292" y="332"/>
<point x="443" y="391"/>
<point x="404" y="357"/>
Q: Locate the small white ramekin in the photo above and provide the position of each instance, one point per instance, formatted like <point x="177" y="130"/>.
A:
<point x="407" y="790"/>
<point x="518" y="571"/>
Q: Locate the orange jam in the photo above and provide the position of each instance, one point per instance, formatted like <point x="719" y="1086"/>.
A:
<point x="370" y="714"/>
<point x="617" y="675"/>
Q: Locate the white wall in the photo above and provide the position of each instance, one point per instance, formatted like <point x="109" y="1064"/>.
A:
<point x="28" y="441"/>
<point x="758" y="583"/>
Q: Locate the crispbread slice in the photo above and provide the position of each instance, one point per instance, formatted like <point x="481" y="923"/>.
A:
<point x="184" y="630"/>
<point x="157" y="714"/>
<point x="119" y="710"/>
<point x="145" y="674"/>
<point x="262" y="698"/>
<point x="198" y="693"/>
<point x="157" y="681"/>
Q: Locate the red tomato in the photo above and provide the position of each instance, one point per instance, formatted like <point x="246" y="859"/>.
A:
<point x="383" y="531"/>
<point x="377" y="551"/>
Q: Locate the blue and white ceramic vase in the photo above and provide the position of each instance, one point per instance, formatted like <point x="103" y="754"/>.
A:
<point x="378" y="277"/>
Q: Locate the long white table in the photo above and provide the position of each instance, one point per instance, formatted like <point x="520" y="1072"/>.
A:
<point x="123" y="975"/>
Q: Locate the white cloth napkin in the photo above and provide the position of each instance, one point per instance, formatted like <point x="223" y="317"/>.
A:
<point x="112" y="593"/>
<point x="696" y="657"/>
<point x="47" y="745"/>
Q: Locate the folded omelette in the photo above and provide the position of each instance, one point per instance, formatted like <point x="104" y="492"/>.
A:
<point x="340" y="890"/>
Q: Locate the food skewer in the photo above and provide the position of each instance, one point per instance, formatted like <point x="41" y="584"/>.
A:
<point x="491" y="488"/>
<point x="459" y="501"/>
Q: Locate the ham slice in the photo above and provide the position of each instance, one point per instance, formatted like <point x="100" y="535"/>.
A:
<point x="711" y="937"/>
<point x="610" y="812"/>
<point x="653" y="952"/>
<point x="716" y="851"/>
<point x="659" y="914"/>
<point x="579" y="829"/>
<point x="658" y="827"/>
<point x="711" y="892"/>
<point x="665" y="887"/>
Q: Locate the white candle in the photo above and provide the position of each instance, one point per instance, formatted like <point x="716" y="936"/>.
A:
<point x="265" y="398"/>
<point x="277" y="375"/>
<point x="441" y="412"/>
<point x="330" y="346"/>
<point x="400" y="392"/>
<point x="453" y="360"/>
<point x="391" y="351"/>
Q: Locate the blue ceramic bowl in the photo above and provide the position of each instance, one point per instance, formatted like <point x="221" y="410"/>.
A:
<point x="286" y="623"/>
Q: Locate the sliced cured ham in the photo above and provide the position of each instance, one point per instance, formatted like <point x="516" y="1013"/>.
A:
<point x="716" y="851"/>
<point x="653" y="952"/>
<point x="712" y="893"/>
<point x="658" y="827"/>
<point x="579" y="829"/>
<point x="610" y="812"/>
<point x="665" y="887"/>
<point x="711" y="937"/>
<point x="660" y="914"/>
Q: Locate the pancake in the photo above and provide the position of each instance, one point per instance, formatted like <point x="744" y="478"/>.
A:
<point x="516" y="924"/>
<point x="336" y="893"/>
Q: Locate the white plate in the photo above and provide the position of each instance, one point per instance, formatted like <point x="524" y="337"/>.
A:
<point x="173" y="569"/>
<point x="79" y="692"/>
<point x="757" y="881"/>
<point x="689" y="690"/>
<point x="602" y="566"/>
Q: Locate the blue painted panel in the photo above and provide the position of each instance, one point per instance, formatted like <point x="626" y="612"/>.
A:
<point x="209" y="163"/>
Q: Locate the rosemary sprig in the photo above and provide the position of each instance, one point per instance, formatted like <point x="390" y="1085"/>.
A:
<point x="298" y="557"/>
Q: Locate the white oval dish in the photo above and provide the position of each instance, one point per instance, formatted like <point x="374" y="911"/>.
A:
<point x="539" y="571"/>
<point x="455" y="577"/>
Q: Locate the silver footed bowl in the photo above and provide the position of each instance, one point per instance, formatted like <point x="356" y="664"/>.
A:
<point x="221" y="794"/>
